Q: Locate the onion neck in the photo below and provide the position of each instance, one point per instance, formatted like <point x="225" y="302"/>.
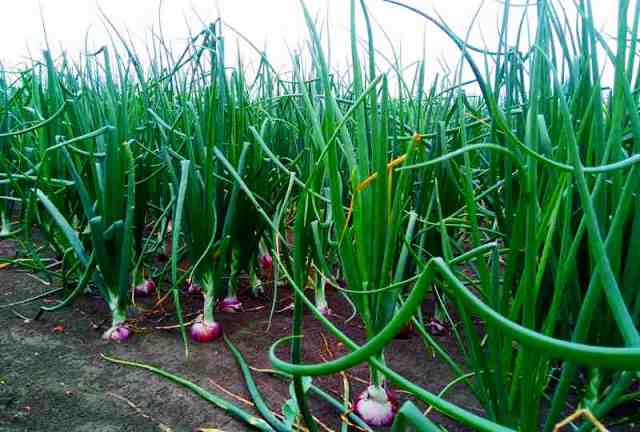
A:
<point x="256" y="283"/>
<point x="209" y="303"/>
<point x="209" y="298"/>
<point x="319" y="294"/>
<point x="118" y="315"/>
<point x="376" y="377"/>
<point x="232" y="289"/>
<point x="5" y="227"/>
<point x="377" y="393"/>
<point x="138" y="276"/>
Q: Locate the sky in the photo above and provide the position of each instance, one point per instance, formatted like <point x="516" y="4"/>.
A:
<point x="277" y="25"/>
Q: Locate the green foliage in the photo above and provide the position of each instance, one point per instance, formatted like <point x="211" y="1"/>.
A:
<point x="516" y="209"/>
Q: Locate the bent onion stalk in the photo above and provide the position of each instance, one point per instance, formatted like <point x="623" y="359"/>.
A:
<point x="221" y="403"/>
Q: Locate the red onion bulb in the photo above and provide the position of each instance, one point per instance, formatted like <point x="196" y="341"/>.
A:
<point x="144" y="288"/>
<point x="193" y="287"/>
<point x="266" y="263"/>
<point x="202" y="331"/>
<point x="376" y="406"/>
<point x="230" y="304"/>
<point x="117" y="333"/>
<point x="325" y="310"/>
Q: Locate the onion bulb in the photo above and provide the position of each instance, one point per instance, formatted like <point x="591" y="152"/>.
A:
<point x="436" y="327"/>
<point x="202" y="331"/>
<point x="193" y="287"/>
<point x="117" y="333"/>
<point x="325" y="310"/>
<point x="266" y="263"/>
<point x="144" y="288"/>
<point x="376" y="406"/>
<point x="230" y="304"/>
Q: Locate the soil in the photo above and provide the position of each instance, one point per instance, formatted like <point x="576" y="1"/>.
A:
<point x="53" y="378"/>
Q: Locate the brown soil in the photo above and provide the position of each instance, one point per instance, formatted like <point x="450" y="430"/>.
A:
<point x="52" y="377"/>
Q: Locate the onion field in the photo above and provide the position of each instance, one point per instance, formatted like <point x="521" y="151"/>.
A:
<point x="490" y="224"/>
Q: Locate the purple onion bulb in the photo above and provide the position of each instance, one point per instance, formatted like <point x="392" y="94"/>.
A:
<point x="193" y="287"/>
<point x="117" y="333"/>
<point x="376" y="406"/>
<point x="266" y="263"/>
<point x="325" y="310"/>
<point x="230" y="304"/>
<point x="145" y="288"/>
<point x="203" y="332"/>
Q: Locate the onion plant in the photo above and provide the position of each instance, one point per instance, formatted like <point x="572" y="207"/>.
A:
<point x="205" y="197"/>
<point x="368" y="233"/>
<point x="110" y="229"/>
<point x="104" y="179"/>
<point x="248" y="230"/>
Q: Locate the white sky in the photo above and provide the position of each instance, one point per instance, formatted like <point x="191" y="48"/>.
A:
<point x="275" y="24"/>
